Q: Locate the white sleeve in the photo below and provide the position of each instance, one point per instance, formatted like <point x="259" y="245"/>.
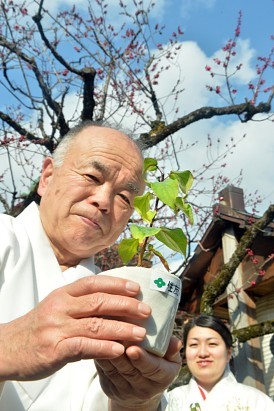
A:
<point x="164" y="403"/>
<point x="1" y="388"/>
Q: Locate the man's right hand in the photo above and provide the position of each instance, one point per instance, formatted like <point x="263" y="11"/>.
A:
<point x="73" y="322"/>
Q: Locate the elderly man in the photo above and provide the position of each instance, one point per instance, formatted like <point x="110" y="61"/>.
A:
<point x="61" y="344"/>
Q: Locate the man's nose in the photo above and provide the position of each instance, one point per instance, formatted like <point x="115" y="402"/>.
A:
<point x="101" y="198"/>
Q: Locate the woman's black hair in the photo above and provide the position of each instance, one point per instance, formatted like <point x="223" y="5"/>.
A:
<point x="209" y="321"/>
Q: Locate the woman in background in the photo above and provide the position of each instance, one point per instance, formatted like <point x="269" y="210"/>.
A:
<point x="213" y="387"/>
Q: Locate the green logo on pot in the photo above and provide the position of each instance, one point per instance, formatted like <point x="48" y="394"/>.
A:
<point x="159" y="282"/>
<point x="166" y="284"/>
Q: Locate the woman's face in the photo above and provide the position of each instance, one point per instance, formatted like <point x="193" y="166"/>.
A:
<point x="206" y="356"/>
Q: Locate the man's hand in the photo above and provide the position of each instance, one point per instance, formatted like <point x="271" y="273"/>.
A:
<point x="137" y="379"/>
<point x="74" y="322"/>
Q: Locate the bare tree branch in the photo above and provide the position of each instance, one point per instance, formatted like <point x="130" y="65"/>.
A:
<point x="26" y="133"/>
<point x="46" y="92"/>
<point x="254" y="330"/>
<point x="161" y="131"/>
<point x="88" y="75"/>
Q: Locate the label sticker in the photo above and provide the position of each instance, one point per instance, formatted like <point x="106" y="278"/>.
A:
<point x="163" y="283"/>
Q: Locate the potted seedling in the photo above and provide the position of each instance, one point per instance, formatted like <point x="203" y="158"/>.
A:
<point x="159" y="288"/>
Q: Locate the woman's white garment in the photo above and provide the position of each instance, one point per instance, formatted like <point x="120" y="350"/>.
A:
<point x="226" y="395"/>
<point x="29" y="271"/>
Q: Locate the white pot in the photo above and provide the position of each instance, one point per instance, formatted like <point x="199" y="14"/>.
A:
<point x="161" y="291"/>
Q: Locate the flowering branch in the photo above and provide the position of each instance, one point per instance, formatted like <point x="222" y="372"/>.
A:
<point x="220" y="283"/>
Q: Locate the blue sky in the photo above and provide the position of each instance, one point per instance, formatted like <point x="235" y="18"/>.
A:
<point x="210" y="23"/>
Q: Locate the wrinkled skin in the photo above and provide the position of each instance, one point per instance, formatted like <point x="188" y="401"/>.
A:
<point x="136" y="380"/>
<point x="68" y="325"/>
<point x="87" y="202"/>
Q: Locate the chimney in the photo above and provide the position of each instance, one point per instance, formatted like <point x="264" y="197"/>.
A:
<point x="232" y="197"/>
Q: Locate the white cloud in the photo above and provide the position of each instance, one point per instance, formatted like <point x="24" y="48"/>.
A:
<point x="254" y="154"/>
<point x="190" y="65"/>
<point x="190" y="68"/>
<point x="245" y="56"/>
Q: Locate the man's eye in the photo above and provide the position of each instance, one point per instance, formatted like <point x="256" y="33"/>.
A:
<point x="124" y="198"/>
<point x="91" y="177"/>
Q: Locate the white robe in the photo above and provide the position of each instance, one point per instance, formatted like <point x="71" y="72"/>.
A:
<point x="227" y="395"/>
<point x="29" y="271"/>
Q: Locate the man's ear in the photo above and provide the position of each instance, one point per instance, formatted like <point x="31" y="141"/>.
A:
<point x="46" y="174"/>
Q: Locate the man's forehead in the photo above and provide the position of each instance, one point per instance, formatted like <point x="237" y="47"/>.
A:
<point x="104" y="133"/>
<point x="99" y="136"/>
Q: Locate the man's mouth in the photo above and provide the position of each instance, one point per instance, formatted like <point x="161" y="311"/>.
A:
<point x="91" y="222"/>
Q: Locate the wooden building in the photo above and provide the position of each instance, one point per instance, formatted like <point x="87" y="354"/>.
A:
<point x="249" y="298"/>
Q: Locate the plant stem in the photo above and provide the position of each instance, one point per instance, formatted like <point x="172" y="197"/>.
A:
<point x="141" y="253"/>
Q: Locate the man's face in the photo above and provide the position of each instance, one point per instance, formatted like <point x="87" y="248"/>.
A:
<point x="86" y="203"/>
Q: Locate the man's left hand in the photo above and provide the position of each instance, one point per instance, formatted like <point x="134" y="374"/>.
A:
<point x="137" y="379"/>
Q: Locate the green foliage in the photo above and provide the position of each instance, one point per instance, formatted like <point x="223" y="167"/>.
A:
<point x="175" y="239"/>
<point x="170" y="192"/>
<point x="142" y="206"/>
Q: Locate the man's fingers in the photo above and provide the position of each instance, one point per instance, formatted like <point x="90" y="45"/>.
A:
<point x="104" y="329"/>
<point x="151" y="366"/>
<point x="173" y="351"/>
<point x="106" y="304"/>
<point x="136" y="374"/>
<point x="120" y="375"/>
<point x="102" y="283"/>
<point x="85" y="348"/>
<point x="121" y="365"/>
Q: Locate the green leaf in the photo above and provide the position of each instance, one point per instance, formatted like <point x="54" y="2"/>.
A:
<point x="141" y="232"/>
<point x="184" y="178"/>
<point x="173" y="238"/>
<point x="150" y="164"/>
<point x="166" y="191"/>
<point x="185" y="208"/>
<point x="142" y="206"/>
<point x="128" y="247"/>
